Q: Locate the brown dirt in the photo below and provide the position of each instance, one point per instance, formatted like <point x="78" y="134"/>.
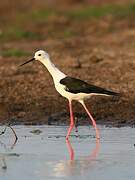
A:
<point x="104" y="47"/>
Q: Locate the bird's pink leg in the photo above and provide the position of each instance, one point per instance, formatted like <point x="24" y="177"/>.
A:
<point x="71" y="120"/>
<point x="70" y="149"/>
<point x="92" y="119"/>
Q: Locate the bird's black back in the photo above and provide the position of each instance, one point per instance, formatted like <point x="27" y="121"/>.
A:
<point x="75" y="86"/>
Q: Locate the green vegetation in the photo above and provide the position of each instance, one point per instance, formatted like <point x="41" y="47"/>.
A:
<point x="37" y="19"/>
<point x="86" y="12"/>
<point x="17" y="34"/>
<point x="42" y="14"/>
<point x="100" y="11"/>
<point x="68" y="33"/>
<point x="14" y="53"/>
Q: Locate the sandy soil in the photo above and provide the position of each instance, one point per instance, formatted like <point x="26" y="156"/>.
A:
<point x="99" y="51"/>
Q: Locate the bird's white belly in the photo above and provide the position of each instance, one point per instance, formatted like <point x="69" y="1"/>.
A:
<point x="71" y="96"/>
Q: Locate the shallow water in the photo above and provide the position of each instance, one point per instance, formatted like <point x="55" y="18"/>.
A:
<point x="44" y="154"/>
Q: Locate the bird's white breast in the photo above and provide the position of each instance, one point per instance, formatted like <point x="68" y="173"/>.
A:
<point x="70" y="96"/>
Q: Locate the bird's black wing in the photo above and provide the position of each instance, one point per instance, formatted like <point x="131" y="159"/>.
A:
<point x="75" y="86"/>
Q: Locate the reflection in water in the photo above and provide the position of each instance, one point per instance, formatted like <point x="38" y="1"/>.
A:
<point x="76" y="167"/>
<point x="10" y="147"/>
<point x="3" y="132"/>
<point x="70" y="149"/>
<point x="3" y="163"/>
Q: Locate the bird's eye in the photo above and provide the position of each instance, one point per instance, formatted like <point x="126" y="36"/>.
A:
<point x="39" y="55"/>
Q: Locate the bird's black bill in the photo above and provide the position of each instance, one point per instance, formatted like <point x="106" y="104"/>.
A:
<point x="28" y="61"/>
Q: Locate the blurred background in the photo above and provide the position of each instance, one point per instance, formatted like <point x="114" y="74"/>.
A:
<point x="90" y="39"/>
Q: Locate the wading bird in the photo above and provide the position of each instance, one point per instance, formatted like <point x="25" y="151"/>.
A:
<point x="71" y="88"/>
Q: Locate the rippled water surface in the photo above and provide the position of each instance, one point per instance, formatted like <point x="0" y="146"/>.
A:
<point x="41" y="153"/>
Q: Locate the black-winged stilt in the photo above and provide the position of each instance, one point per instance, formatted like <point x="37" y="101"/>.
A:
<point x="71" y="88"/>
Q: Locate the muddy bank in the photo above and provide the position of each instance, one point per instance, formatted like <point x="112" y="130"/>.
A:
<point x="28" y="95"/>
<point x="101" y="51"/>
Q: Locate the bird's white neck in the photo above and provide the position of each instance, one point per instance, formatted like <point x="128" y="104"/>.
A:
<point x="56" y="74"/>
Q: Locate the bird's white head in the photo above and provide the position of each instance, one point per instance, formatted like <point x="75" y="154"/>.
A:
<point x="39" y="56"/>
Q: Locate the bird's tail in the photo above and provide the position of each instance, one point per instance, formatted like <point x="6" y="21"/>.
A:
<point x="111" y="93"/>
